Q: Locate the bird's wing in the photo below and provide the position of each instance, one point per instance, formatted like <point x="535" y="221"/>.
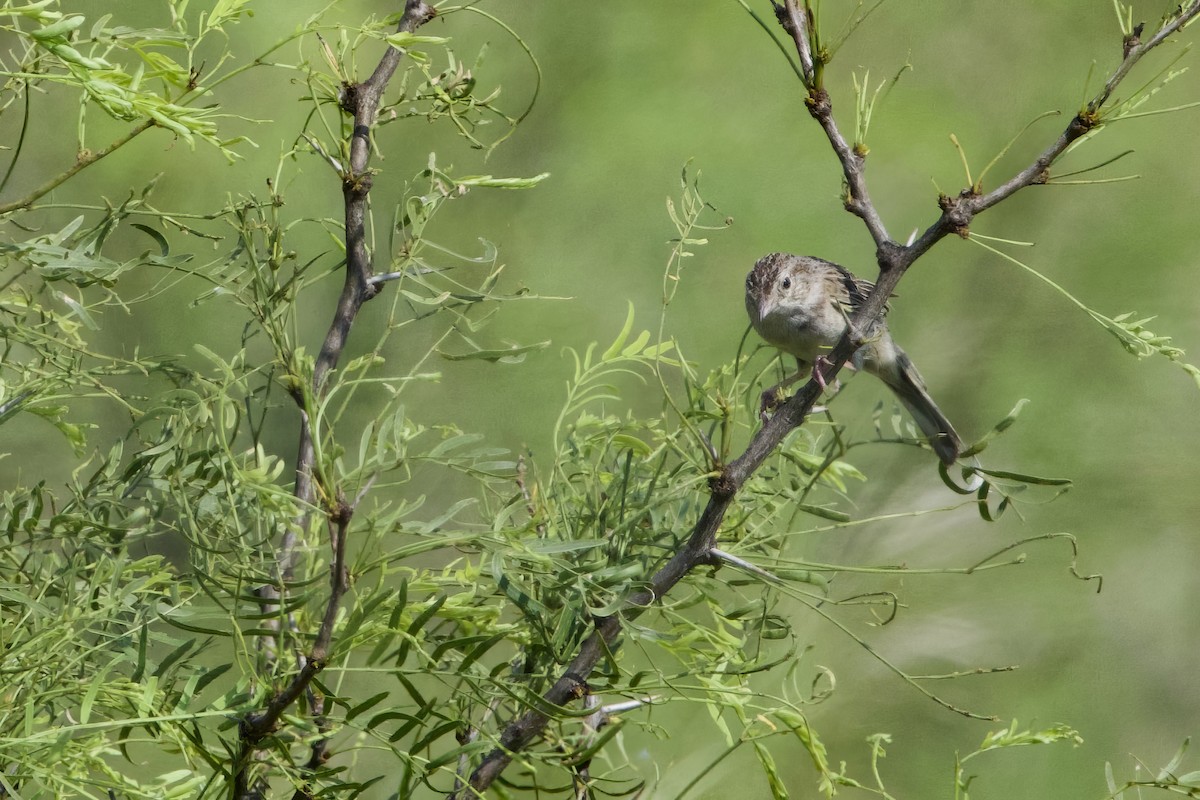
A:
<point x="852" y="291"/>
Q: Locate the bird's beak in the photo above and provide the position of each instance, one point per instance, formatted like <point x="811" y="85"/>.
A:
<point x="764" y="306"/>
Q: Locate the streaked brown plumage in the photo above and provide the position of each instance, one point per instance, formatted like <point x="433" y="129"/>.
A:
<point x="800" y="304"/>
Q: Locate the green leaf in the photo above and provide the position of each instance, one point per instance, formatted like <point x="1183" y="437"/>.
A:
<point x="488" y="181"/>
<point x="999" y="428"/>
<point x="58" y="29"/>
<point x="512" y="355"/>
<point x="366" y="705"/>
<point x="614" y="349"/>
<point x="405" y="39"/>
<point x="548" y="547"/>
<point x="163" y="248"/>
<point x="1168" y="770"/>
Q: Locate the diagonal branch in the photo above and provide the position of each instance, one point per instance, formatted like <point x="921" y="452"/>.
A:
<point x="362" y="102"/>
<point x="857" y="200"/>
<point x="894" y="260"/>
<point x="82" y="161"/>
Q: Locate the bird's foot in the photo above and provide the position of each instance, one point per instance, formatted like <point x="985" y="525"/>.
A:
<point x="820" y="364"/>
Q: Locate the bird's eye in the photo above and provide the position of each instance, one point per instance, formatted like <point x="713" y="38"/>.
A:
<point x="786" y="283"/>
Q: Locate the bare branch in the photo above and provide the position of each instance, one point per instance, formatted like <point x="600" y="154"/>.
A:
<point x="856" y="200"/>
<point x="957" y="212"/>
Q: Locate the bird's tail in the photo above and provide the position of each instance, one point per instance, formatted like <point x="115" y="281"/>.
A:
<point x="910" y="390"/>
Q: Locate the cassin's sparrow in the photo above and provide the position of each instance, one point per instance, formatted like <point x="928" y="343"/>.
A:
<point x="801" y="305"/>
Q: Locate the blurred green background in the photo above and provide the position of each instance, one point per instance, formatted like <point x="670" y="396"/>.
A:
<point x="632" y="91"/>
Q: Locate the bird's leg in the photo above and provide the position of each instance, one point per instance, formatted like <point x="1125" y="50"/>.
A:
<point x="773" y="397"/>
<point x="820" y="365"/>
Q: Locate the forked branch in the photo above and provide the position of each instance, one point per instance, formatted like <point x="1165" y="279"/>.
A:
<point x="894" y="260"/>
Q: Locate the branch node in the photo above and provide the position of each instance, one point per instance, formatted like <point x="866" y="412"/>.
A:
<point x="856" y="334"/>
<point x="252" y="728"/>
<point x="341" y="513"/>
<point x="1084" y="121"/>
<point x="722" y="485"/>
<point x="818" y="103"/>
<point x="711" y="558"/>
<point x="888" y="255"/>
<point x="357" y="185"/>
<point x="348" y="97"/>
<point x="579" y="686"/>
<point x="422" y="13"/>
<point x="1133" y="40"/>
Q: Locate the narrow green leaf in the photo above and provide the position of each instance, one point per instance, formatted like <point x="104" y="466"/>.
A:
<point x="615" y="348"/>
<point x="366" y="705"/>
<point x="1168" y="770"/>
<point x="511" y="355"/>
<point x="164" y="249"/>
<point x="89" y="697"/>
<point x="405" y="39"/>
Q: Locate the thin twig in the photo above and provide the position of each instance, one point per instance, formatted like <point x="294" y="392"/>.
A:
<point x="82" y="161"/>
<point x="745" y="566"/>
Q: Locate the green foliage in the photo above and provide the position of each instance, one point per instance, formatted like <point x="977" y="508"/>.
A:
<point x="1011" y="737"/>
<point x="178" y="583"/>
<point x="1132" y="334"/>
<point x="1166" y="778"/>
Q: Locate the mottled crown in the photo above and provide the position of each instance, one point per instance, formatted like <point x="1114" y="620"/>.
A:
<point x="766" y="272"/>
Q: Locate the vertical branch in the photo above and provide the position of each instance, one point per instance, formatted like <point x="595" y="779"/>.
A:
<point x="362" y="102"/>
<point x="797" y="23"/>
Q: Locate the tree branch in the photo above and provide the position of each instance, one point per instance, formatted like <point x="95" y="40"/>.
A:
<point x="362" y="102"/>
<point x="82" y="161"/>
<point x="894" y="261"/>
<point x="856" y="200"/>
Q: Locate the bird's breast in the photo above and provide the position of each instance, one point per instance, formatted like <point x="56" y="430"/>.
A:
<point x="798" y="333"/>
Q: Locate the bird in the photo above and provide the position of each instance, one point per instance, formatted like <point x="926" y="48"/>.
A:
<point x="802" y="304"/>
